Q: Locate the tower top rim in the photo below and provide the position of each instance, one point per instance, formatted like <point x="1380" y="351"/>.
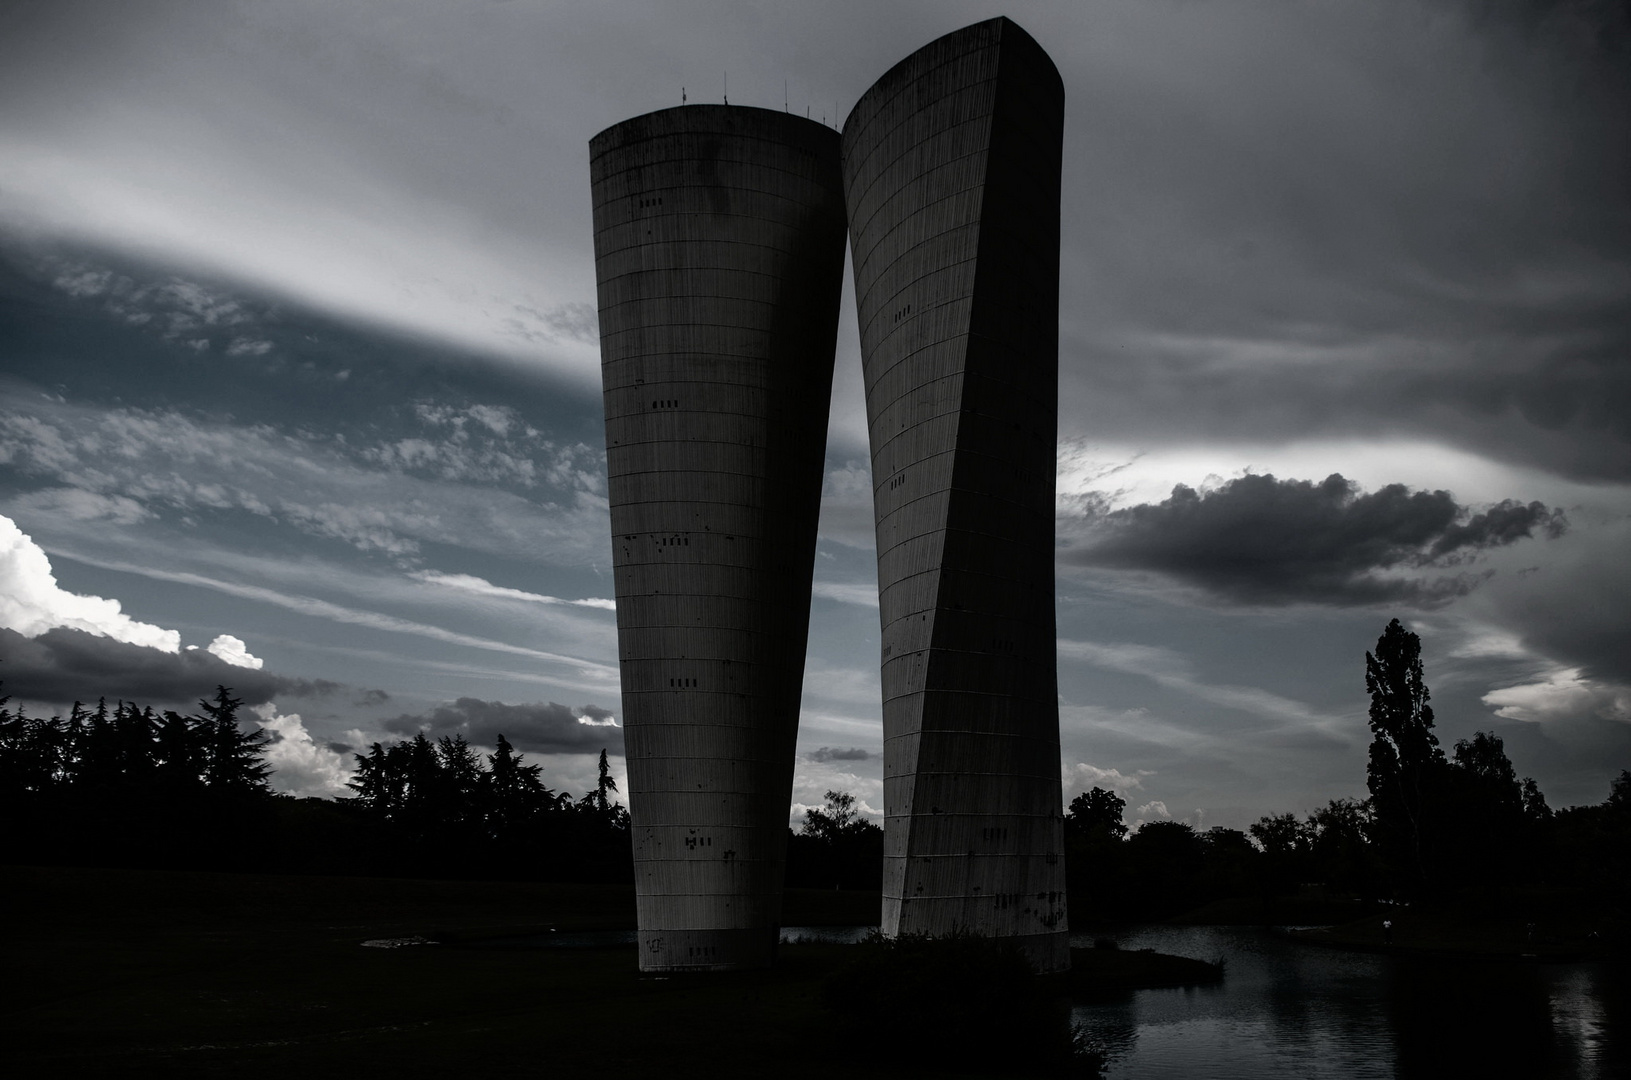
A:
<point x="711" y="118"/>
<point x="1003" y="30"/>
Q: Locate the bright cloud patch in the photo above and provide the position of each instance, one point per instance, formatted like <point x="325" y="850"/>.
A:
<point x="859" y="595"/>
<point x="31" y="602"/>
<point x="1564" y="694"/>
<point x="300" y="766"/>
<point x="234" y="652"/>
<point x="1081" y="776"/>
<point x="1154" y="810"/>
<point x="817" y="774"/>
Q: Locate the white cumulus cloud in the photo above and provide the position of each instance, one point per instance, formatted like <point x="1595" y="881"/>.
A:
<point x="234" y="651"/>
<point x="1082" y="775"/>
<point x="31" y="601"/>
<point x="299" y="765"/>
<point x="1154" y="810"/>
<point x="1562" y="694"/>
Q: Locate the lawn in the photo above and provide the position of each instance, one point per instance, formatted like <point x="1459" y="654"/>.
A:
<point x="127" y="972"/>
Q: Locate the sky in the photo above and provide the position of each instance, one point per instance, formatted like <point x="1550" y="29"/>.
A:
<point x="299" y="384"/>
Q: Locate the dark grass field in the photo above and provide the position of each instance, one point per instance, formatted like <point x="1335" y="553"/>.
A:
<point x="111" y="972"/>
<point x="126" y="972"/>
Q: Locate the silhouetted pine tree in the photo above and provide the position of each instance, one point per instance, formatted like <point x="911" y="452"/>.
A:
<point x="133" y="732"/>
<point x="372" y="781"/>
<point x="460" y="788"/>
<point x="179" y="756"/>
<point x="516" y="792"/>
<point x="598" y="802"/>
<point x="75" y="732"/>
<point x="233" y="759"/>
<point x="97" y="754"/>
<point x="14" y="750"/>
<point x="449" y="813"/>
<point x="419" y="767"/>
<point x="596" y="839"/>
<point x="30" y="749"/>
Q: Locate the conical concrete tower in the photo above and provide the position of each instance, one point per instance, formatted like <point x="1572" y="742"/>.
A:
<point x="951" y="167"/>
<point x="719" y="254"/>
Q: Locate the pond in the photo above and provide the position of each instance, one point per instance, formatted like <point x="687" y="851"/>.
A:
<point x="1289" y="1009"/>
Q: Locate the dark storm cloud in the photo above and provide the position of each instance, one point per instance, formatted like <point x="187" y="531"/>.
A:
<point x="1585" y="632"/>
<point x="117" y="323"/>
<point x="541" y="728"/>
<point x="1504" y="523"/>
<point x="1554" y="408"/>
<point x="1571" y="605"/>
<point x="1362" y="218"/>
<point x="64" y="665"/>
<point x="1402" y="225"/>
<point x="831" y="753"/>
<point x="1261" y="540"/>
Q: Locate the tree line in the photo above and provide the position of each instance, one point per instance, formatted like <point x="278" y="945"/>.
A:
<point x="443" y="810"/>
<point x="1460" y="827"/>
<point x="129" y="786"/>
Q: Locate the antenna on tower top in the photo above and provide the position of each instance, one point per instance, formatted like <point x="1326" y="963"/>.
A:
<point x="784" y="95"/>
<point x="727" y="88"/>
<point x="682" y="95"/>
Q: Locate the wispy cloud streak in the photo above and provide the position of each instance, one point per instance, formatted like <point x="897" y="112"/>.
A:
<point x="323" y="609"/>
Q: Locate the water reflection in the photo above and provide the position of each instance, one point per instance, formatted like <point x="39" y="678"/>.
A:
<point x="611" y="939"/>
<point x="1287" y="1009"/>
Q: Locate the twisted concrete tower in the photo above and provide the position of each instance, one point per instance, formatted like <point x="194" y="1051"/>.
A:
<point x="719" y="258"/>
<point x="951" y="168"/>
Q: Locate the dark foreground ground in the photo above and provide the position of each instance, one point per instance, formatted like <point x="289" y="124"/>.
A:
<point x="122" y="972"/>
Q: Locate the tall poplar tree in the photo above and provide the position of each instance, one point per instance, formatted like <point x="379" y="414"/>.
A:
<point x="1405" y="760"/>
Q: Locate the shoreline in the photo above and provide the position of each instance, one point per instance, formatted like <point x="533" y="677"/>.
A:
<point x="1441" y="938"/>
